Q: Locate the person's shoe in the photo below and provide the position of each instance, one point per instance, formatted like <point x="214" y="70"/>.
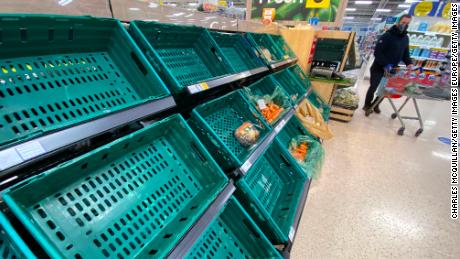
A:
<point x="377" y="110"/>
<point x="365" y="108"/>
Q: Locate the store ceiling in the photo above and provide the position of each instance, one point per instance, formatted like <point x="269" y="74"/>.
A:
<point x="367" y="12"/>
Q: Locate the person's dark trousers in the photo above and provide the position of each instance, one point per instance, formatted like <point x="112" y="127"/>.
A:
<point x="377" y="72"/>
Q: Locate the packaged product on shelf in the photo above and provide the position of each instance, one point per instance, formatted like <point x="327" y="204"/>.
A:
<point x="247" y="134"/>
<point x="346" y="98"/>
<point x="266" y="53"/>
<point x="270" y="106"/>
<point x="312" y="120"/>
<point x="309" y="153"/>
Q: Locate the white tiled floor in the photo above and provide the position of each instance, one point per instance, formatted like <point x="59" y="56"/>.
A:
<point x="381" y="195"/>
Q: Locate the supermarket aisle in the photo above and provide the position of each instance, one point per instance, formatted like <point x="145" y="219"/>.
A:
<point x="381" y="195"/>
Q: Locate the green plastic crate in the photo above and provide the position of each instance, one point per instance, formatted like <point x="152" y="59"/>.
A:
<point x="282" y="44"/>
<point x="261" y="41"/>
<point x="183" y="55"/>
<point x="216" y="121"/>
<point x="313" y="97"/>
<point x="237" y="51"/>
<point x="271" y="191"/>
<point x="292" y="84"/>
<point x="56" y="71"/>
<point x="319" y="103"/>
<point x="291" y="130"/>
<point x="11" y="244"/>
<point x="301" y="76"/>
<point x="267" y="86"/>
<point x="132" y="198"/>
<point x="232" y="234"/>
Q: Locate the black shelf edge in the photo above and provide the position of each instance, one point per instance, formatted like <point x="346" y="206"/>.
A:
<point x="243" y="169"/>
<point x="203" y="86"/>
<point x="23" y="153"/>
<point x="192" y="235"/>
<point x="283" y="63"/>
<point x="298" y="216"/>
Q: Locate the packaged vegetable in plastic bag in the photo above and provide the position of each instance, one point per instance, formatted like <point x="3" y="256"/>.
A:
<point x="247" y="134"/>
<point x="309" y="153"/>
<point x="312" y="120"/>
<point x="271" y="106"/>
<point x="346" y="98"/>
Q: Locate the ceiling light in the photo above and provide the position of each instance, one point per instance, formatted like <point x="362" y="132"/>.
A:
<point x="412" y="1"/>
<point x="363" y="2"/>
<point x="64" y="2"/>
<point x="193" y="4"/>
<point x="134" y="9"/>
<point x="383" y="10"/>
<point x="376" y="19"/>
<point x="348" y="17"/>
<point x="403" y="5"/>
<point x="153" y="5"/>
<point x="350" y="9"/>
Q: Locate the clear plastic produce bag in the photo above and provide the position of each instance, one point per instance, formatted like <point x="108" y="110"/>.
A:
<point x="309" y="153"/>
<point x="312" y="120"/>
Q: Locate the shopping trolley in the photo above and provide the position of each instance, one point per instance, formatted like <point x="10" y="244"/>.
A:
<point x="413" y="85"/>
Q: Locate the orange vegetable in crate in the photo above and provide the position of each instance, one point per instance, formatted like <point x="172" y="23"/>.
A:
<point x="272" y="112"/>
<point x="300" y="152"/>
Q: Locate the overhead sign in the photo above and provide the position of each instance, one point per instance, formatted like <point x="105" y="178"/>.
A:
<point x="318" y="4"/>
<point x="296" y="10"/>
<point x="440" y="9"/>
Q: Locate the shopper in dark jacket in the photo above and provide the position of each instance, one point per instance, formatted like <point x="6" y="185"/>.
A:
<point x="392" y="47"/>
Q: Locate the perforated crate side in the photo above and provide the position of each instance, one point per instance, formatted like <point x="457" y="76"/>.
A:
<point x="135" y="197"/>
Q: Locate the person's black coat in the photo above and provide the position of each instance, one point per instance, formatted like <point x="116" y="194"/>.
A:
<point x="392" y="47"/>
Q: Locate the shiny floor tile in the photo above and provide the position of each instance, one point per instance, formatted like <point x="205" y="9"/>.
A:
<point x="381" y="195"/>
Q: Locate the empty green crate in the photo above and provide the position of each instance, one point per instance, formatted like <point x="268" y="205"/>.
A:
<point x="292" y="84"/>
<point x="301" y="76"/>
<point x="183" y="55"/>
<point x="57" y="71"/>
<point x="132" y="198"/>
<point x="313" y="97"/>
<point x="265" y="41"/>
<point x="232" y="234"/>
<point x="282" y="44"/>
<point x="238" y="51"/>
<point x="271" y="190"/>
<point x="268" y="86"/>
<point x="215" y="123"/>
<point x="11" y="244"/>
<point x="319" y="103"/>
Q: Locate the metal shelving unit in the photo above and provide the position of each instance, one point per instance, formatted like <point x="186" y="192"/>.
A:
<point x="283" y="63"/>
<point x="192" y="235"/>
<point x="243" y="169"/>
<point x="203" y="86"/>
<point x="292" y="233"/>
<point x="19" y="155"/>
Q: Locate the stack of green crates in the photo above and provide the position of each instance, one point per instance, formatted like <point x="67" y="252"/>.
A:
<point x="313" y="97"/>
<point x="232" y="234"/>
<point x="292" y="85"/>
<point x="271" y="190"/>
<point x="135" y="197"/>
<point x="11" y="244"/>
<point x="182" y="55"/>
<point x="57" y="71"/>
<point x="215" y="123"/>
<point x="237" y="51"/>
<point x="267" y="86"/>
<point x="264" y="42"/>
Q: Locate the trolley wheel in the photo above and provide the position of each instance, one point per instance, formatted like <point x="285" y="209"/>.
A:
<point x="401" y="131"/>
<point x="419" y="131"/>
<point x="393" y="116"/>
<point x="369" y="112"/>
